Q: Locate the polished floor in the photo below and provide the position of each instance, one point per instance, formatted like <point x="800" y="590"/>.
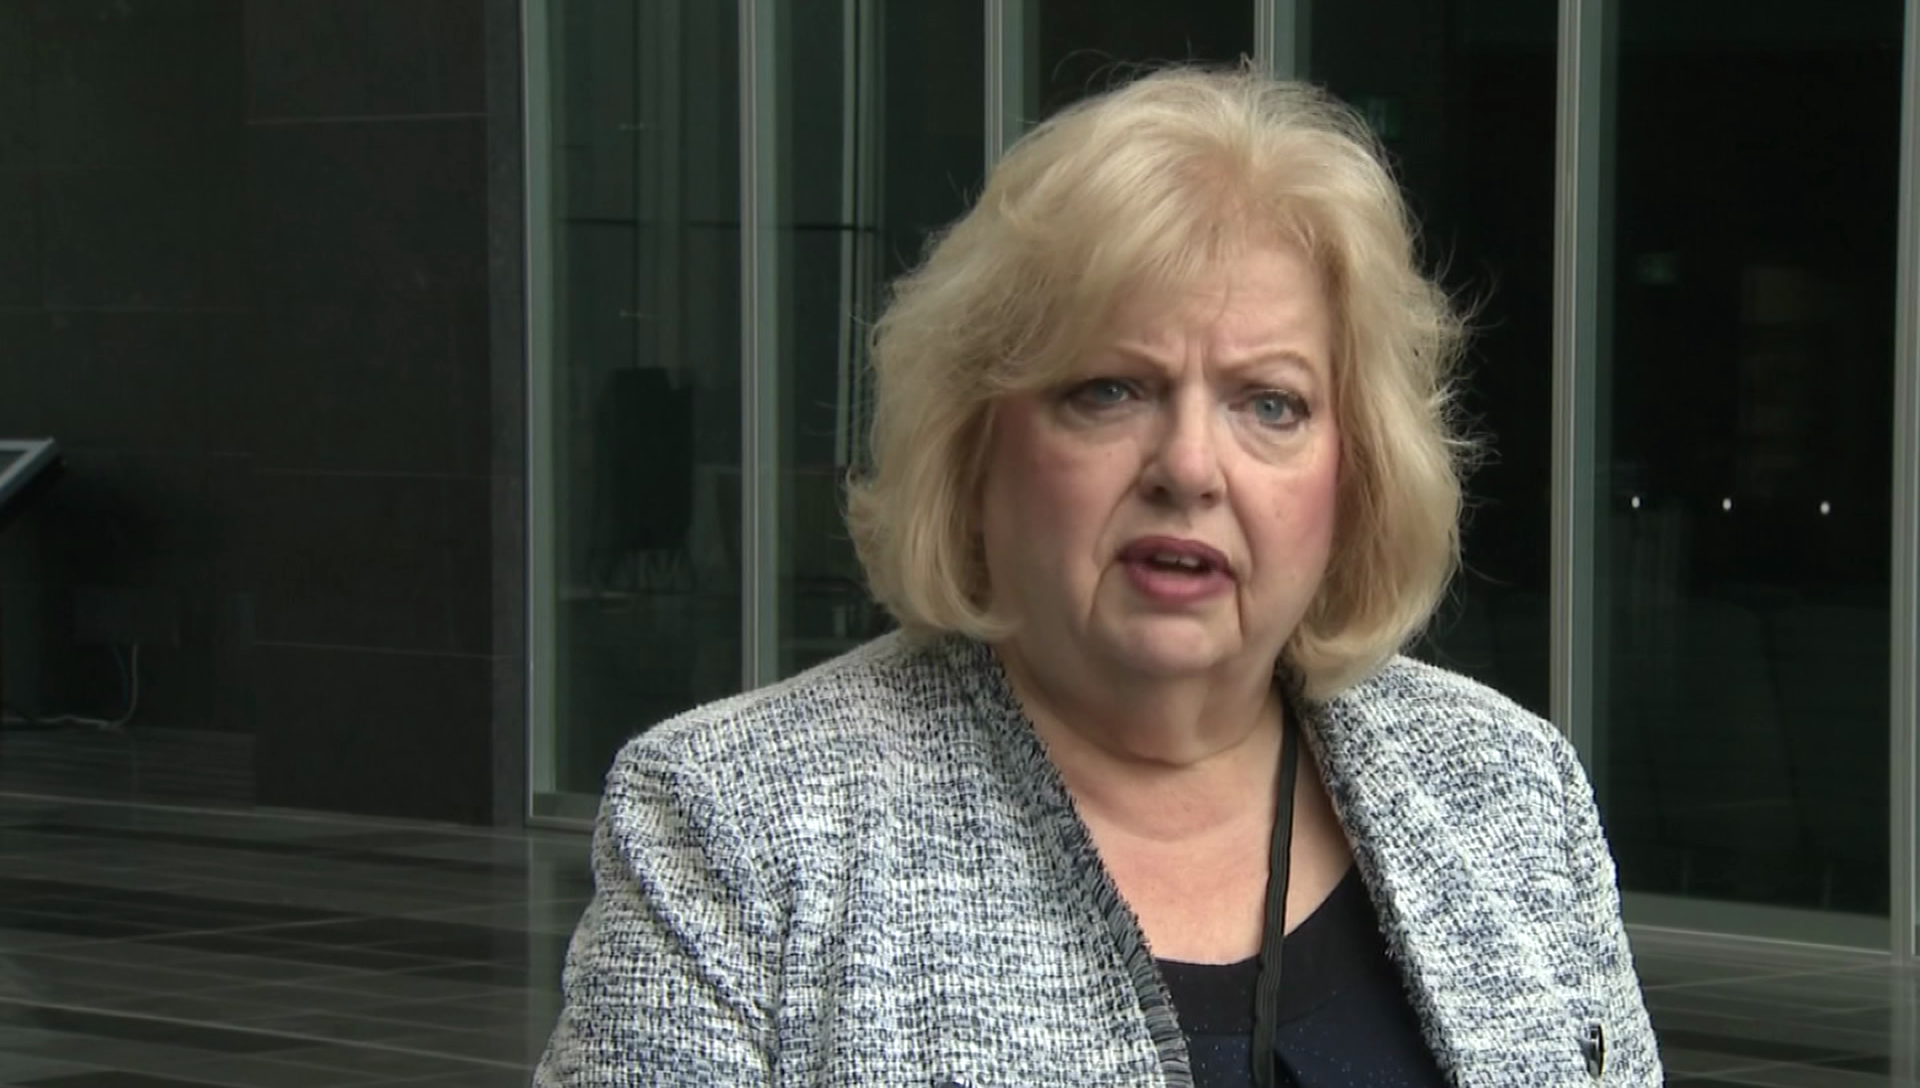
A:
<point x="153" y="948"/>
<point x="147" y="948"/>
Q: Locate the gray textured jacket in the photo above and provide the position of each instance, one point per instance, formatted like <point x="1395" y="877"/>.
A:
<point x="872" y="875"/>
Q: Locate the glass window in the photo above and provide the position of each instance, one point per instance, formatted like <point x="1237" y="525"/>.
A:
<point x="880" y="141"/>
<point x="1462" y="95"/>
<point x="1744" y="512"/>
<point x="1074" y="48"/>
<point x="637" y="377"/>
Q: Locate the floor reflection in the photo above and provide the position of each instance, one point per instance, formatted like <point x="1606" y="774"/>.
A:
<point x="148" y="948"/>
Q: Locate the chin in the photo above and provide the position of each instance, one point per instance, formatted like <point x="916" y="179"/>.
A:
<point x="1171" y="654"/>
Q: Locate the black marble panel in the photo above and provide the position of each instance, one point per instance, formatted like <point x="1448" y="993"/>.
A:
<point x="363" y="58"/>
<point x="19" y="87"/>
<point x="19" y="239"/>
<point x="391" y="383"/>
<point x="387" y="734"/>
<point x="144" y="520"/>
<point x="136" y="93"/>
<point x="393" y="211"/>
<point x="125" y="13"/>
<point x="368" y="561"/>
<point x="29" y="404"/>
<point x="128" y="237"/>
<point x="126" y="380"/>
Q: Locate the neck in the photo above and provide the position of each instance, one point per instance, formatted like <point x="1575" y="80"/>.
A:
<point x="1168" y="759"/>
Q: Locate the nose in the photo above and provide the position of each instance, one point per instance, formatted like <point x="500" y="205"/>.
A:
<point x="1183" y="468"/>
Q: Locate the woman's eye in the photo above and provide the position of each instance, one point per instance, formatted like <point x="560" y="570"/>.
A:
<point x="1102" y="393"/>
<point x="1277" y="409"/>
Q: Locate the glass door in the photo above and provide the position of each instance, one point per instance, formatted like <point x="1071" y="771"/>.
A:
<point x="1743" y="497"/>
<point x="870" y="124"/>
<point x="635" y="391"/>
<point x="1462" y="96"/>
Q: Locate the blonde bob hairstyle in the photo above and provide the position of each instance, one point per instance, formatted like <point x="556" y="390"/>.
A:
<point x="1137" y="193"/>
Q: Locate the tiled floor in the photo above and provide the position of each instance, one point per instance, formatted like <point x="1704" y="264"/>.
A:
<point x="1728" y="1014"/>
<point x="147" y="948"/>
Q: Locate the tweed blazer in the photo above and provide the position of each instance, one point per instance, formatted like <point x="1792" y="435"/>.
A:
<point x="871" y="874"/>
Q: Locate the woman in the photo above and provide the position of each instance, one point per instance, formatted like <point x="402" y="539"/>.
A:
<point x="1163" y="481"/>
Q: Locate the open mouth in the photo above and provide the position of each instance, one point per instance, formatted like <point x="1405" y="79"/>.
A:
<point x="1179" y="564"/>
<point x="1174" y="556"/>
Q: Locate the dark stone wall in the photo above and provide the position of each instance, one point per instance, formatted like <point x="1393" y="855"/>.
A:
<point x="260" y="276"/>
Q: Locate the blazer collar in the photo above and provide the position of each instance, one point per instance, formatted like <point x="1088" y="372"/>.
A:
<point x="1481" y="981"/>
<point x="1028" y="769"/>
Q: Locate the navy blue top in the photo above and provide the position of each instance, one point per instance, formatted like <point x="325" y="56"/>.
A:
<point x="1344" y="1015"/>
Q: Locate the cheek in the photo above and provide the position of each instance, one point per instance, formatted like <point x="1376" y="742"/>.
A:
<point x="1042" y="482"/>
<point x="1018" y="498"/>
<point x="1319" y="506"/>
<point x="1299" y="524"/>
<point x="1052" y="503"/>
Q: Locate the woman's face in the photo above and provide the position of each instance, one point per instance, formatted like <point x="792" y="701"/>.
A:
<point x="1169" y="509"/>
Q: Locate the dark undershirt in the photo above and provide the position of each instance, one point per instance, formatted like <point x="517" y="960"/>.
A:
<point x="1344" y="1015"/>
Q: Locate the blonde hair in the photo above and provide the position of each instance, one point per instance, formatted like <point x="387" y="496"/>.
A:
<point x="1144" y="189"/>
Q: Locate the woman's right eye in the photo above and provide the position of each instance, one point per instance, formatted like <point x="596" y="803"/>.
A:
<point x="1100" y="393"/>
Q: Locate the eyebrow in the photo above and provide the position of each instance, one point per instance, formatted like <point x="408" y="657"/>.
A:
<point x="1282" y="357"/>
<point x="1285" y="357"/>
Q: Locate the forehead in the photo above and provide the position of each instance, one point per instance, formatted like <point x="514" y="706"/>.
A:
<point x="1253" y="301"/>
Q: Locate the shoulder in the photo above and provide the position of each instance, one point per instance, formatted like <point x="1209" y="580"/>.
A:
<point x="875" y="695"/>
<point x="1450" y="732"/>
<point x="1412" y="691"/>
<point x="1408" y="690"/>
<point x="885" y="716"/>
<point x="779" y="792"/>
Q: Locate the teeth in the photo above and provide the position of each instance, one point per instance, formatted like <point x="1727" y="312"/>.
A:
<point x="1187" y="561"/>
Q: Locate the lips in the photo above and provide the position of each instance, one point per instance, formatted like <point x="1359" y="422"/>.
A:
<point x="1176" y="555"/>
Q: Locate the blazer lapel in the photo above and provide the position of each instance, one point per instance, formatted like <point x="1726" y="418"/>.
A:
<point x="1479" y="978"/>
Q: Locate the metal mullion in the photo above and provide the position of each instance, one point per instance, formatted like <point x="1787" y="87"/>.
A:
<point x="1576" y="364"/>
<point x="1904" y="631"/>
<point x="759" y="342"/>
<point x="1006" y="75"/>
<point x="1281" y="32"/>
<point x="542" y="705"/>
<point x="993" y="105"/>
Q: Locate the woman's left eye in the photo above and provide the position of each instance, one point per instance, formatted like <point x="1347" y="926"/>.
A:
<point x="1277" y="409"/>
